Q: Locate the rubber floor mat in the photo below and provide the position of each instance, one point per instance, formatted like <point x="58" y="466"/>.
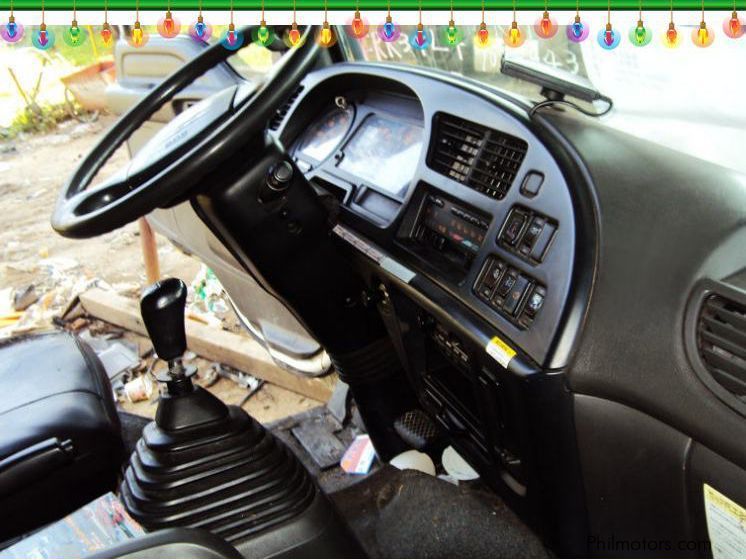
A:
<point x="408" y="514"/>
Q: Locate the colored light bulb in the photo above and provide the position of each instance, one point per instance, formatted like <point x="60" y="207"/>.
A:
<point x="546" y="27"/>
<point x="639" y="35"/>
<point x="263" y="33"/>
<point x="11" y="32"/>
<point x="608" y="38"/>
<point x="105" y="34"/>
<point x="358" y="25"/>
<point x="420" y="35"/>
<point x="577" y="31"/>
<point x="514" y="38"/>
<point x="232" y="38"/>
<point x="389" y="32"/>
<point x="421" y="39"/>
<point x="483" y="35"/>
<point x="734" y="26"/>
<point x="388" y="29"/>
<point x="325" y="36"/>
<point x="294" y="35"/>
<point x="200" y="31"/>
<point x="452" y="33"/>
<point x="137" y="35"/>
<point x="168" y="26"/>
<point x="672" y="36"/>
<point x="74" y="32"/>
<point x="703" y="36"/>
<point x="43" y="39"/>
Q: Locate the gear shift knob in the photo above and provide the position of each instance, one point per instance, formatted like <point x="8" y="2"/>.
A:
<point x="162" y="309"/>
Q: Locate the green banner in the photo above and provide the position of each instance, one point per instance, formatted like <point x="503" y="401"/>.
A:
<point x="349" y="5"/>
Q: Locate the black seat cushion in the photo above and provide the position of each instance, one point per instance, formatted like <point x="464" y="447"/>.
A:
<point x="60" y="439"/>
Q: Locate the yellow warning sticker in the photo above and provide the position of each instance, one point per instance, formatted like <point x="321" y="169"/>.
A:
<point x="726" y="525"/>
<point x="500" y="351"/>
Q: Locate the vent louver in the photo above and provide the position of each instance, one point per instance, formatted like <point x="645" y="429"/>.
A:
<point x="279" y="116"/>
<point x="721" y="342"/>
<point x="481" y="158"/>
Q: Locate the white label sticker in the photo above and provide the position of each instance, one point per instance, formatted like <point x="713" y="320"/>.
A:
<point x="726" y="525"/>
<point x="500" y="351"/>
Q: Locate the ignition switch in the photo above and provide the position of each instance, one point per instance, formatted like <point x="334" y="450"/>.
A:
<point x="279" y="178"/>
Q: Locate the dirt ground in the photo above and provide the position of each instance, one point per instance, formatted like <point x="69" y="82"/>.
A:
<point x="32" y="172"/>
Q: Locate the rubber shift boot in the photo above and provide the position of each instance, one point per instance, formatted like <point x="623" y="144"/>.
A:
<point x="229" y="476"/>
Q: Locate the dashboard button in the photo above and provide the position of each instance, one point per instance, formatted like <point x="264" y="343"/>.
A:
<point x="532" y="184"/>
<point x="514" y="227"/>
<point x="535" y="301"/>
<point x="542" y="242"/>
<point x="516" y="295"/>
<point x="507" y="283"/>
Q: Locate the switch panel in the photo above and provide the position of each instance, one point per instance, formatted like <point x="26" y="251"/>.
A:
<point x="527" y="234"/>
<point x="512" y="292"/>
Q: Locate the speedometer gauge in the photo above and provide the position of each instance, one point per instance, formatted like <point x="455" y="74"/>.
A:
<point x="324" y="135"/>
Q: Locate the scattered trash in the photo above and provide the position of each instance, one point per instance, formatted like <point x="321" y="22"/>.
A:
<point x="248" y="382"/>
<point x="456" y="466"/>
<point x="118" y="357"/>
<point x="359" y="456"/>
<point x="77" y="324"/>
<point x="319" y="441"/>
<point x="208" y="304"/>
<point x="414" y="460"/>
<point x="25" y="297"/>
<point x="139" y="389"/>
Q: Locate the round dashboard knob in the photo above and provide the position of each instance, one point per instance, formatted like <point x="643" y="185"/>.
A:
<point x="282" y="172"/>
<point x="279" y="178"/>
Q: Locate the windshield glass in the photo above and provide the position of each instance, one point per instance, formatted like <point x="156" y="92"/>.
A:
<point x="688" y="99"/>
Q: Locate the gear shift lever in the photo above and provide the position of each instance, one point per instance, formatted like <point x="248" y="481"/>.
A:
<point x="162" y="309"/>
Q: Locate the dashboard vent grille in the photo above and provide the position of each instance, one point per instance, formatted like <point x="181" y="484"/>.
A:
<point x="481" y="158"/>
<point x="279" y="116"/>
<point x="721" y="342"/>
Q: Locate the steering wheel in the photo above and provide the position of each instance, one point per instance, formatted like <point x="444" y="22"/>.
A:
<point x="178" y="158"/>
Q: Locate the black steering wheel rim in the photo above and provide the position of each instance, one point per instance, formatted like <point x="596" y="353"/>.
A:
<point x="82" y="213"/>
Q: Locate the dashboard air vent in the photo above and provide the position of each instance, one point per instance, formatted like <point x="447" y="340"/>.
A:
<point x="279" y="116"/>
<point x="479" y="157"/>
<point x="721" y="342"/>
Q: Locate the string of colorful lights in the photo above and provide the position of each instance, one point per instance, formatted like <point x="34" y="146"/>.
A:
<point x="545" y="27"/>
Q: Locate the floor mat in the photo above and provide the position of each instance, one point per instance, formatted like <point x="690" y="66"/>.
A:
<point x="407" y="514"/>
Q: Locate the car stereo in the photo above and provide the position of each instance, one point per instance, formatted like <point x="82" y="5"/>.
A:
<point x="452" y="230"/>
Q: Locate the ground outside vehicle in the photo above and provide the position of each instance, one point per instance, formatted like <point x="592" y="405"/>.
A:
<point x="560" y="301"/>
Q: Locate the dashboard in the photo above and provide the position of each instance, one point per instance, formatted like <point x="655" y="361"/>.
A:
<point x="448" y="190"/>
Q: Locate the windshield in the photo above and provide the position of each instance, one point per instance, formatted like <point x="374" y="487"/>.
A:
<point x="688" y="99"/>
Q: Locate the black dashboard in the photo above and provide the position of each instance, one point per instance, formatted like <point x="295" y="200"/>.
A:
<point x="437" y="184"/>
<point x="562" y="298"/>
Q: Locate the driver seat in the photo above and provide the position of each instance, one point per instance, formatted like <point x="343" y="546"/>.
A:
<point x="60" y="438"/>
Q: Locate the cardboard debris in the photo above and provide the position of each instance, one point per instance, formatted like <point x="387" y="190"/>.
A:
<point x="359" y="457"/>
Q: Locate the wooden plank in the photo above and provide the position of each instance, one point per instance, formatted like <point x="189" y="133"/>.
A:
<point x="234" y="350"/>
